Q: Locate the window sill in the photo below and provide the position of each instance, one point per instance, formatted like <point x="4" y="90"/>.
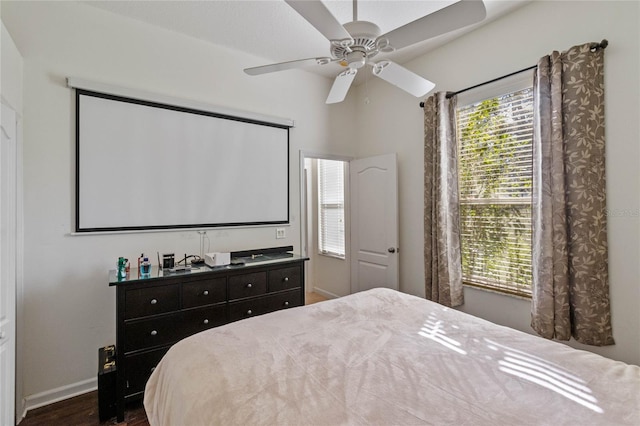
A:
<point x="333" y="256"/>
<point x="503" y="292"/>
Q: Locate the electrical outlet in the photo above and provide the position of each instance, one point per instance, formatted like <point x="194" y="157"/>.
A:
<point x="280" y="233"/>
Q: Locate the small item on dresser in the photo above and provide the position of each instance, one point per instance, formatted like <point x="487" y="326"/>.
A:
<point x="168" y="261"/>
<point x="197" y="260"/>
<point x="145" y="267"/>
<point x="217" y="259"/>
<point x="140" y="259"/>
<point x="122" y="267"/>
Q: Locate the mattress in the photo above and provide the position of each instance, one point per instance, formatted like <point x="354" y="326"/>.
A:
<point x="382" y="357"/>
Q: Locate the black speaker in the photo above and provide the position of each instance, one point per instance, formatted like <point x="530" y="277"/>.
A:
<point x="106" y="382"/>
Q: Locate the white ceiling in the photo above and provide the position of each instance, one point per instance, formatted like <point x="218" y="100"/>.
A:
<point x="272" y="30"/>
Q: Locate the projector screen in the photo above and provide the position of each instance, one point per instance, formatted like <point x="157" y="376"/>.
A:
<point x="143" y="165"/>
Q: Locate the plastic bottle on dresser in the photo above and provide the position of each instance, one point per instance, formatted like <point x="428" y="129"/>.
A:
<point x="145" y="267"/>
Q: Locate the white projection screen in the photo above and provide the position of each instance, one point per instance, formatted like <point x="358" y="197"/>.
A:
<point x="142" y="165"/>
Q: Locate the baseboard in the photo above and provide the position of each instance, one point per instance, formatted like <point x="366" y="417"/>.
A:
<point x="64" y="392"/>
<point x="21" y="412"/>
<point x="325" y="293"/>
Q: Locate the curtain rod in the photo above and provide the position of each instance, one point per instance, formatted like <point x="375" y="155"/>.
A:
<point x="602" y="45"/>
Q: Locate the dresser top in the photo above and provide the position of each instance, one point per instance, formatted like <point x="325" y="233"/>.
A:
<point x="250" y="263"/>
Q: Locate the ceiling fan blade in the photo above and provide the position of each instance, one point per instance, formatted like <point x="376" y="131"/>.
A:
<point x="317" y="14"/>
<point x="264" y="69"/>
<point x="341" y="86"/>
<point x="403" y="78"/>
<point x="453" y="17"/>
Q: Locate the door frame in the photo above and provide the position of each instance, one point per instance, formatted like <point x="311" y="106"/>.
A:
<point x="304" y="213"/>
<point x="18" y="408"/>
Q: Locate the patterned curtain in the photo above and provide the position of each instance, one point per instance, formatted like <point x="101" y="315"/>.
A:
<point x="570" y="294"/>
<point x="442" y="261"/>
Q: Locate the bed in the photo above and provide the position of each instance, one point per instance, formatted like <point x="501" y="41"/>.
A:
<point x="386" y="358"/>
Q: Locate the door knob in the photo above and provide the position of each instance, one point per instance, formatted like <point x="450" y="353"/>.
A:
<point x="391" y="250"/>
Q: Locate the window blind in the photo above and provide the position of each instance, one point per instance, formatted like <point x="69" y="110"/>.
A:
<point x="331" y="208"/>
<point x="495" y="175"/>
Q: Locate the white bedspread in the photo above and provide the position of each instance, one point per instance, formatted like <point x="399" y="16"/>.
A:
<point x="387" y="358"/>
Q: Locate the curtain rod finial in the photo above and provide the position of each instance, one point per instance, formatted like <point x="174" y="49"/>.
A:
<point x="602" y="45"/>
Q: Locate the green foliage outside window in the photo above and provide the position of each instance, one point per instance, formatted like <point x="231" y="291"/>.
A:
<point x="495" y="192"/>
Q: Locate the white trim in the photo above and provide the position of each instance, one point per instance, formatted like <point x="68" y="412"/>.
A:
<point x="21" y="404"/>
<point x="309" y="154"/>
<point x="58" y="394"/>
<point x="325" y="293"/>
<point x="78" y="83"/>
<point x="23" y="411"/>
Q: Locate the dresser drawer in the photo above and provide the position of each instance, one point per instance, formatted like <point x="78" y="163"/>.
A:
<point x="284" y="300"/>
<point x="204" y="292"/>
<point x="143" y="302"/>
<point x="152" y="332"/>
<point x="200" y="319"/>
<point x="284" y="278"/>
<point x="138" y="369"/>
<point x="263" y="305"/>
<point x="247" y="285"/>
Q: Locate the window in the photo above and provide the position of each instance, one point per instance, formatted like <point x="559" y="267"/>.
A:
<point x="331" y="208"/>
<point x="495" y="177"/>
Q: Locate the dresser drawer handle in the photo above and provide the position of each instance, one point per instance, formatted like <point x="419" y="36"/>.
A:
<point x="286" y="303"/>
<point x="249" y="312"/>
<point x="206" y="292"/>
<point x="206" y="321"/>
<point x="285" y="279"/>
<point x="154" y="332"/>
<point x="249" y="285"/>
<point x="154" y="301"/>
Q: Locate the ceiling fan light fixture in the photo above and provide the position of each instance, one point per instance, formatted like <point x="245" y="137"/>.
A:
<point x="356" y="59"/>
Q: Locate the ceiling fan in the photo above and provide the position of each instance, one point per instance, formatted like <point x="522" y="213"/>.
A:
<point x="356" y="43"/>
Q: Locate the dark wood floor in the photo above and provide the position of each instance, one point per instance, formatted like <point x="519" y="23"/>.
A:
<point x="83" y="410"/>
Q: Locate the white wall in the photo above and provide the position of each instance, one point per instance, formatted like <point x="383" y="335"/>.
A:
<point x="11" y="74"/>
<point x="392" y="121"/>
<point x="69" y="308"/>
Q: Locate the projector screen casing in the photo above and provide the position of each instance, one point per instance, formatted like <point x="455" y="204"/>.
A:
<point x="143" y="165"/>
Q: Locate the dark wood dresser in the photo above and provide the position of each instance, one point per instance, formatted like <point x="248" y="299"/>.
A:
<point x="155" y="312"/>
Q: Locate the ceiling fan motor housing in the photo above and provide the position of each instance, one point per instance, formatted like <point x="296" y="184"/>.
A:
<point x="355" y="53"/>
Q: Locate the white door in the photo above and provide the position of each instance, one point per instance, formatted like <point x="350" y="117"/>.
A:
<point x="7" y="266"/>
<point x="374" y="222"/>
